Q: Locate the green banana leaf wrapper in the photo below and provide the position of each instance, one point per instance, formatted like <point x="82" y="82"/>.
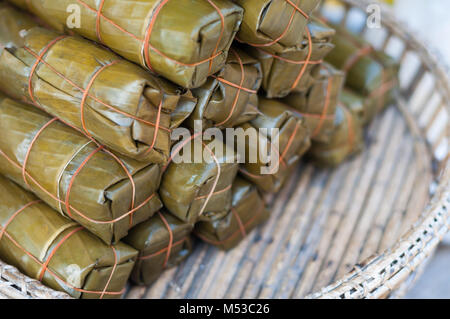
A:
<point x="287" y="71"/>
<point x="318" y="104"/>
<point x="282" y="137"/>
<point x="370" y="73"/>
<point x="364" y="108"/>
<point x="118" y="103"/>
<point x="274" y="24"/>
<point x="159" y="248"/>
<point x="48" y="247"/>
<point x="199" y="188"/>
<point x="12" y="22"/>
<point x="68" y="170"/>
<point x="224" y="100"/>
<point x="183" y="40"/>
<point x="248" y="212"/>
<point x="346" y="141"/>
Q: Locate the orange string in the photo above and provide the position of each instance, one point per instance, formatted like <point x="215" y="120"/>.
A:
<point x="298" y="9"/>
<point x="47" y="262"/>
<point x="216" y="181"/>
<point x="71" y="207"/>
<point x="234" y="85"/>
<point x="155" y="134"/>
<point x="90" y="95"/>
<point x="159" y="252"/>
<point x="36" y="63"/>
<point x="222" y="30"/>
<point x="55" y="275"/>
<point x="44" y="266"/>
<point x="3" y="228"/>
<point x="239" y="221"/>
<point x="325" y="109"/>
<point x="290" y="141"/>
<point x="148" y="33"/>
<point x="215" y="193"/>
<point x="130" y="177"/>
<point x="147" y="46"/>
<point x="72" y="180"/>
<point x="98" y="21"/>
<point x="112" y="272"/>
<point x="86" y="92"/>
<point x="353" y="59"/>
<point x="238" y="93"/>
<point x="280" y="156"/>
<point x="233" y="235"/>
<point x="27" y="155"/>
<point x="308" y="59"/>
<point x="289" y="60"/>
<point x="170" y="245"/>
<point x="119" y="161"/>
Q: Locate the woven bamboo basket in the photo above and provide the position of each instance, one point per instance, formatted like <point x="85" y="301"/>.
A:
<point x="363" y="230"/>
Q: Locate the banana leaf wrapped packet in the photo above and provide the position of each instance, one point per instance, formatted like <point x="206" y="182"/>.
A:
<point x="277" y="141"/>
<point x="12" y="22"/>
<point x="274" y="24"/>
<point x="225" y="99"/>
<point x="364" y="108"/>
<point x="247" y="212"/>
<point x="198" y="186"/>
<point x="118" y="103"/>
<point x="290" y="70"/>
<point x="50" y="248"/>
<point x="163" y="241"/>
<point x="347" y="140"/>
<point x="105" y="193"/>
<point x="318" y="105"/>
<point x="370" y="73"/>
<point x="183" y="40"/>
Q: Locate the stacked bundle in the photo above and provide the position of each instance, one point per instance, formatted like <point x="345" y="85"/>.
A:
<point x="336" y="116"/>
<point x="371" y="74"/>
<point x="127" y="163"/>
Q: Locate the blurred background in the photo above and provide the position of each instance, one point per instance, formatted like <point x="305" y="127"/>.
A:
<point x="429" y="19"/>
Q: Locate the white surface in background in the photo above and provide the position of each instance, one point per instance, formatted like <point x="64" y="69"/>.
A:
<point x="430" y="20"/>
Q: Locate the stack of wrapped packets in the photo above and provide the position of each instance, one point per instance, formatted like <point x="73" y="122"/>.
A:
<point x="203" y="29"/>
<point x="371" y="74"/>
<point x="91" y="150"/>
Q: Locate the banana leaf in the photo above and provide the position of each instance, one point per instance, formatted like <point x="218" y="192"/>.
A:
<point x="347" y="140"/>
<point x="365" y="109"/>
<point x="251" y="110"/>
<point x="12" y="22"/>
<point x="248" y="211"/>
<point x="371" y="73"/>
<point x="199" y="187"/>
<point x="159" y="248"/>
<point x="73" y="174"/>
<point x="183" y="40"/>
<point x="274" y="24"/>
<point x="280" y="140"/>
<point x="223" y="101"/>
<point x="287" y="70"/>
<point x="118" y="103"/>
<point x="51" y="248"/>
<point x="318" y="104"/>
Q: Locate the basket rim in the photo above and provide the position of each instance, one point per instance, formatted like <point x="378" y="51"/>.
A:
<point x="380" y="275"/>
